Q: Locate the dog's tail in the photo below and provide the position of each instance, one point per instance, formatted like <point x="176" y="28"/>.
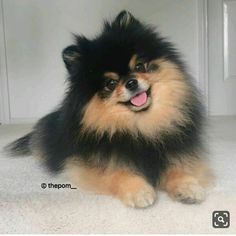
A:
<point x="20" y="147"/>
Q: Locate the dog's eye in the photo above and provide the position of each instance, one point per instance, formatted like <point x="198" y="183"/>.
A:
<point x="111" y="84"/>
<point x="140" y="67"/>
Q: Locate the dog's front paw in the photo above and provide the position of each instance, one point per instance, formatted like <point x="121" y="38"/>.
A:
<point x="140" y="199"/>
<point x="189" y="193"/>
<point x="137" y="193"/>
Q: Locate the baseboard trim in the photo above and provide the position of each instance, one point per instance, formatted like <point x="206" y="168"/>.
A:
<point x="23" y="120"/>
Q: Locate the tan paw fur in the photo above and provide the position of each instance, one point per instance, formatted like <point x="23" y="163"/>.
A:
<point x="137" y="193"/>
<point x="189" y="193"/>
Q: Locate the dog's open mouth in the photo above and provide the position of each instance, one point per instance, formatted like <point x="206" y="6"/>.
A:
<point x="140" y="101"/>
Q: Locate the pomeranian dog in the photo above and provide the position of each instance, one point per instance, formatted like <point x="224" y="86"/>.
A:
<point x="130" y="123"/>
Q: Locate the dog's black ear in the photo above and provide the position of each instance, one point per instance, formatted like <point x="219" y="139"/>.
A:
<point x="70" y="56"/>
<point x="124" y="19"/>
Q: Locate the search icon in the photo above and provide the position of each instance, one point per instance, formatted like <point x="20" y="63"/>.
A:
<point x="221" y="219"/>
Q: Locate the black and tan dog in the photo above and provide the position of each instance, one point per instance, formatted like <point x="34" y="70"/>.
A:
<point x="130" y="122"/>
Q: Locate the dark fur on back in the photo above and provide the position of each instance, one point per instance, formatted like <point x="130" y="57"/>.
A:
<point x="58" y="136"/>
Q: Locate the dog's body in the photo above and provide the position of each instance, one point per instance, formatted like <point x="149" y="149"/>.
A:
<point x="130" y="122"/>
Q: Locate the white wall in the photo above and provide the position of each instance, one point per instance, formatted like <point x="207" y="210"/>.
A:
<point x="36" y="31"/>
<point x="222" y="57"/>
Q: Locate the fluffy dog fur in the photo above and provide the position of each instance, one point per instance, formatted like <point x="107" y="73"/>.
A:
<point x="107" y="143"/>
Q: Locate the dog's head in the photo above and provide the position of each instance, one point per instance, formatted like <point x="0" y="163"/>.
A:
<point x="129" y="78"/>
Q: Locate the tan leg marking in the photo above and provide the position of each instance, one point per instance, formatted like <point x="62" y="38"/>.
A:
<point x="186" y="182"/>
<point x="131" y="189"/>
<point x="183" y="187"/>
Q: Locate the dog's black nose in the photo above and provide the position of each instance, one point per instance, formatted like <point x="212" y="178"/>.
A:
<point x="132" y="84"/>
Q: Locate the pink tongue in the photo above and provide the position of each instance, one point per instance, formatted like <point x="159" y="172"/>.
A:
<point x="139" y="99"/>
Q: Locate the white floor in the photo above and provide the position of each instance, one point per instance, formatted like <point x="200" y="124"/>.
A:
<point x="27" y="208"/>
